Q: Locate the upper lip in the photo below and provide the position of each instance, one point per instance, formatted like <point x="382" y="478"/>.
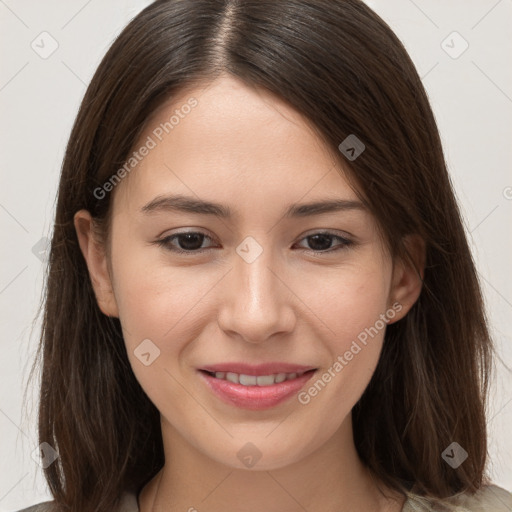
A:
<point x="257" y="369"/>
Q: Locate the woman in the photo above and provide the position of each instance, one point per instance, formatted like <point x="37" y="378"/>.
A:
<point x="201" y="349"/>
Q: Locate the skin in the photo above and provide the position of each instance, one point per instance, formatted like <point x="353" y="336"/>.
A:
<point x="245" y="148"/>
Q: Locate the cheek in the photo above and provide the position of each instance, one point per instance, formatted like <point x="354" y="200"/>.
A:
<point x="349" y="299"/>
<point x="353" y="307"/>
<point x="158" y="302"/>
<point x="158" y="317"/>
<point x="356" y="310"/>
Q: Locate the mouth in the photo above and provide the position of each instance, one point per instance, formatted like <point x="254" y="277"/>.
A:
<point x="257" y="380"/>
<point x="255" y="392"/>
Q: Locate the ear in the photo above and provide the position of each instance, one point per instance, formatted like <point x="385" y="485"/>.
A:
<point x="408" y="274"/>
<point x="96" y="259"/>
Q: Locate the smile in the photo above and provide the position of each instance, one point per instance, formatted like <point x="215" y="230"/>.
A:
<point x="255" y="392"/>
<point x="255" y="380"/>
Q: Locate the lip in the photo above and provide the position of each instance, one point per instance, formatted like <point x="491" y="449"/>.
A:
<point x="257" y="369"/>
<point x="255" y="398"/>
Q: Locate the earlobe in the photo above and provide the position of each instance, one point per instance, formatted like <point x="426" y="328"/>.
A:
<point x="408" y="274"/>
<point x="96" y="259"/>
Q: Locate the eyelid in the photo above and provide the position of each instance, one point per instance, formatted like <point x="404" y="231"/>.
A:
<point x="165" y="241"/>
<point x="346" y="241"/>
<point x="326" y="231"/>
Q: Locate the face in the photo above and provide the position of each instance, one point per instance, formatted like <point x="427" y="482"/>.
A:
<point x="270" y="282"/>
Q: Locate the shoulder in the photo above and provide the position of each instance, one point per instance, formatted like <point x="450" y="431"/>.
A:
<point x="128" y="503"/>
<point x="46" y="506"/>
<point x="489" y="498"/>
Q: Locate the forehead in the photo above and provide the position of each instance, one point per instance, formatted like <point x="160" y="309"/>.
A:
<point x="229" y="142"/>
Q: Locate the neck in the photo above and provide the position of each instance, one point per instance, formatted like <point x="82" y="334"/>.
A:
<point x="331" y="478"/>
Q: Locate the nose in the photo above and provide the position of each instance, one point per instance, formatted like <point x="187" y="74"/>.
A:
<point x="257" y="302"/>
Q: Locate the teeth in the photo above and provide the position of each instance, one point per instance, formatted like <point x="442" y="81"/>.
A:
<point x="280" y="377"/>
<point x="232" y="377"/>
<point x="256" y="380"/>
<point x="262" y="380"/>
<point x="248" y="380"/>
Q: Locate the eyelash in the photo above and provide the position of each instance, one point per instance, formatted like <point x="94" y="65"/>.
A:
<point x="166" y="243"/>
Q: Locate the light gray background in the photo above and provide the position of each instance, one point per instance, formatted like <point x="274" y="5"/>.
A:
<point x="471" y="96"/>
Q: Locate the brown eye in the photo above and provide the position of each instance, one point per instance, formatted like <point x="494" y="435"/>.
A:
<point x="189" y="242"/>
<point x="192" y="242"/>
<point x="322" y="242"/>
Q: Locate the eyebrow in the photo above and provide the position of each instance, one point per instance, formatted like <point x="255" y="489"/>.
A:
<point x="181" y="203"/>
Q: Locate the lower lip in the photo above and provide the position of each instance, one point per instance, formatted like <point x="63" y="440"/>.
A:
<point x="255" y="397"/>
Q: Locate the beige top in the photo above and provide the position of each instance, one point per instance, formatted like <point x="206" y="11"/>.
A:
<point x="490" y="498"/>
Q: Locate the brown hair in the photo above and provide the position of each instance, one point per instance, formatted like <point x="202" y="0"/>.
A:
<point x="343" y="68"/>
